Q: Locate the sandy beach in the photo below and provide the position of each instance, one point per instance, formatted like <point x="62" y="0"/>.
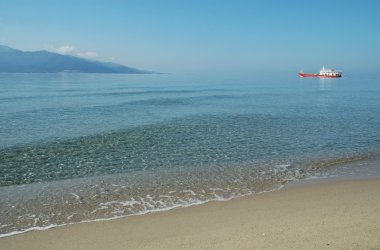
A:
<point x="325" y="215"/>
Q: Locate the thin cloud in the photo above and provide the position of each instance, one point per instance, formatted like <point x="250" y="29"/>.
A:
<point x="71" y="50"/>
<point x="66" y="50"/>
<point x="88" y="54"/>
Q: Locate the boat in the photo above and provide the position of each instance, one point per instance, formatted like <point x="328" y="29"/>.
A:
<point x="323" y="73"/>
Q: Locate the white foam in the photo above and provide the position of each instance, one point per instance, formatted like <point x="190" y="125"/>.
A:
<point x="189" y="191"/>
<point x="76" y="196"/>
<point x="30" y="229"/>
<point x="131" y="202"/>
<point x="165" y="196"/>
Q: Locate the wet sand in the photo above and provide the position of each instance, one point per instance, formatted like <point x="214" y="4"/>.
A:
<point x="326" y="215"/>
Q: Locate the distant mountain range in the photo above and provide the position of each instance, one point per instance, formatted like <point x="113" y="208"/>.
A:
<point x="17" y="61"/>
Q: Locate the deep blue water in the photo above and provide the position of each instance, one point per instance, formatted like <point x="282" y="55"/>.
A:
<point x="110" y="145"/>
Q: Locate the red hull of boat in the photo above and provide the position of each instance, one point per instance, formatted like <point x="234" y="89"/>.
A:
<point x="316" y="75"/>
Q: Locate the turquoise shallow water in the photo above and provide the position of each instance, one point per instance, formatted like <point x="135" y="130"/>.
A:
<point x="78" y="147"/>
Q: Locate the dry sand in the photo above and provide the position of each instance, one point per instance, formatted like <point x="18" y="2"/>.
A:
<point x="331" y="215"/>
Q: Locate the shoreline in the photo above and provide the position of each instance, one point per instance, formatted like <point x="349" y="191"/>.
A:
<point x="332" y="213"/>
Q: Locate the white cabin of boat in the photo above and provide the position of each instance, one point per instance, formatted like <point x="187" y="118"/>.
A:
<point x="330" y="72"/>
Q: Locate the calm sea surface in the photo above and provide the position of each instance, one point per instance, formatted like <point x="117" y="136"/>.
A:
<point x="82" y="147"/>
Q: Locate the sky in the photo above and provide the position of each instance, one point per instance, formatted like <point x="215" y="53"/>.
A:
<point x="201" y="35"/>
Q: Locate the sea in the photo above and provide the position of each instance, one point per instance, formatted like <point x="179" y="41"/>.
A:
<point x="84" y="147"/>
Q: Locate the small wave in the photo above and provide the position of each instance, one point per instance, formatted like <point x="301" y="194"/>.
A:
<point x="181" y="204"/>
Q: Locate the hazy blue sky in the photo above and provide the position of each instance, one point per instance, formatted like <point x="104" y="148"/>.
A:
<point x="186" y="36"/>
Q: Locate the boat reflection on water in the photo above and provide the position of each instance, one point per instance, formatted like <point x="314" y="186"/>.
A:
<point x="325" y="84"/>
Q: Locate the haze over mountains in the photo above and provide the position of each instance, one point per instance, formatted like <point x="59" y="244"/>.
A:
<point x="17" y="61"/>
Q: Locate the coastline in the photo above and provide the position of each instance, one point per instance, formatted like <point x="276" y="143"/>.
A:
<point x="335" y="214"/>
